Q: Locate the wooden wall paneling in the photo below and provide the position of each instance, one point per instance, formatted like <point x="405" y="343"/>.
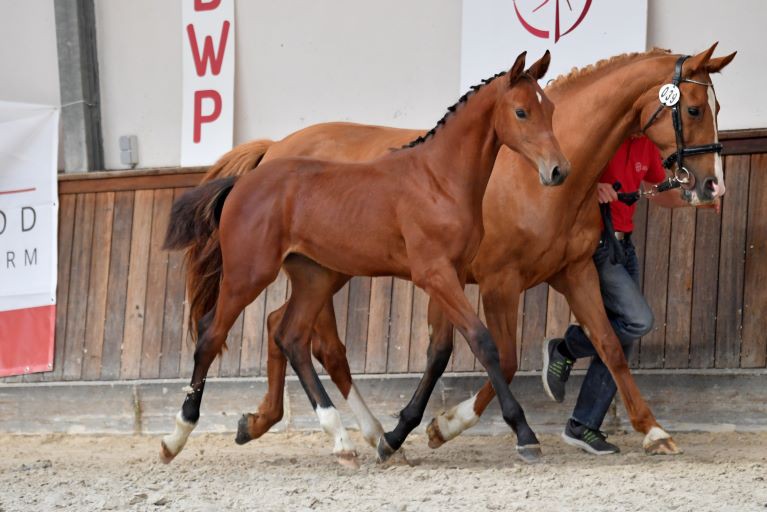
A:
<point x="276" y="295"/>
<point x="704" y="289"/>
<point x="639" y="239"/>
<point x="754" y="347"/>
<point x="680" y="275"/>
<point x="67" y="206"/>
<point x="656" y="284"/>
<point x="557" y="314"/>
<point x="186" y="365"/>
<point x="253" y="337"/>
<point x="119" y="263"/>
<point x="357" y="323"/>
<point x="534" y="328"/>
<point x="135" y="300"/>
<point x="732" y="262"/>
<point x="341" y="308"/>
<point x="230" y="358"/>
<point x="82" y="245"/>
<point x="463" y="357"/>
<point x="399" y="332"/>
<point x="157" y="274"/>
<point x="419" y="336"/>
<point x="99" y="281"/>
<point x="378" y="324"/>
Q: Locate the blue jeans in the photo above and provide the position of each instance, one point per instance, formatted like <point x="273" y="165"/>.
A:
<point x="631" y="318"/>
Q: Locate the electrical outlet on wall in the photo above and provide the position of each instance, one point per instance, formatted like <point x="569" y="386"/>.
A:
<point x="129" y="150"/>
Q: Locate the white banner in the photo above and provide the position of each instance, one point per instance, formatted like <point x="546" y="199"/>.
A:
<point x="577" y="32"/>
<point x="208" y="80"/>
<point x="28" y="205"/>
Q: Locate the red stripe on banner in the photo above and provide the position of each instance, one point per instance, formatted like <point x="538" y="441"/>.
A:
<point x="18" y="191"/>
<point x="26" y="340"/>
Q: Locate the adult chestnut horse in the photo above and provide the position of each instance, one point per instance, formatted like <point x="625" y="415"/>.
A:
<point x="415" y="213"/>
<point x="597" y="108"/>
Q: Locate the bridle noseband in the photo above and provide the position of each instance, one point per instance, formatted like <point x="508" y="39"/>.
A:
<point x="670" y="97"/>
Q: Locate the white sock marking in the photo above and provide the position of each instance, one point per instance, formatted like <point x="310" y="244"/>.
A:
<point x="655" y="434"/>
<point x="175" y="442"/>
<point x="330" y="420"/>
<point x="459" y="418"/>
<point x="369" y="425"/>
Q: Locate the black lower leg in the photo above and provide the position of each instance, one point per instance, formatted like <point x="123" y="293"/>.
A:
<point x="410" y="417"/>
<point x="487" y="354"/>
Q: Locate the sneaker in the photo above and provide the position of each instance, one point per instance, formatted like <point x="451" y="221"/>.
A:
<point x="592" y="441"/>
<point x="556" y="369"/>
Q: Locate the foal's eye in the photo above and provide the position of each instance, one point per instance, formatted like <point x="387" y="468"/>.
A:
<point x="693" y="111"/>
<point x="521" y="114"/>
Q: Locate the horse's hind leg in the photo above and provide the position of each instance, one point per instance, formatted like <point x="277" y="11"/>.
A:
<point x="232" y="298"/>
<point x="312" y="286"/>
<point x="331" y="353"/>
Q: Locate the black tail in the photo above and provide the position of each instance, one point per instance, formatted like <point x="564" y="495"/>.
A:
<point x="193" y="226"/>
<point x="195" y="215"/>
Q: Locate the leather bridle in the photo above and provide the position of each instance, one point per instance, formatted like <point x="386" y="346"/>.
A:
<point x="682" y="176"/>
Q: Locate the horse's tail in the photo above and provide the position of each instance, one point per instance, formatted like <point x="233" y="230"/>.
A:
<point x="239" y="160"/>
<point x="193" y="226"/>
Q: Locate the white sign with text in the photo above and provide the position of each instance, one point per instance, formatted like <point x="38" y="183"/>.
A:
<point x="208" y="80"/>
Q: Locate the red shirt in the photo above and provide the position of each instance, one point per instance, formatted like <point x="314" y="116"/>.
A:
<point x="636" y="160"/>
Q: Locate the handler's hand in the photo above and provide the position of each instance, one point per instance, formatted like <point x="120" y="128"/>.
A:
<point x="606" y="193"/>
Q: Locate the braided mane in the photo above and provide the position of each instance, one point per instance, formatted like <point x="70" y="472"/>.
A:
<point x="586" y="71"/>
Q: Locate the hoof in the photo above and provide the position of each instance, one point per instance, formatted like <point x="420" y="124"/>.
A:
<point x="531" y="453"/>
<point x="665" y="446"/>
<point x="165" y="454"/>
<point x="348" y="459"/>
<point x="435" y="436"/>
<point x="243" y="429"/>
<point x="384" y="450"/>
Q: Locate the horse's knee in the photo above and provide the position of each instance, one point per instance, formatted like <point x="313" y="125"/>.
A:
<point x="487" y="352"/>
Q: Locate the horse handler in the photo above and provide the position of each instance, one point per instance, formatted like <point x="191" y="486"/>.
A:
<point x="636" y="160"/>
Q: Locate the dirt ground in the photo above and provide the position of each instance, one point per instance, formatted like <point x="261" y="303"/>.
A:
<point x="281" y="472"/>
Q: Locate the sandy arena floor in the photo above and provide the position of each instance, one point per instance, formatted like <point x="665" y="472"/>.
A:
<point x="284" y="472"/>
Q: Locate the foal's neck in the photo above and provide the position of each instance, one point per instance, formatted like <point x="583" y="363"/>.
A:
<point x="462" y="152"/>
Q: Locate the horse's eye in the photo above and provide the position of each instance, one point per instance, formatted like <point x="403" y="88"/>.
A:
<point x="693" y="111"/>
<point x="521" y="114"/>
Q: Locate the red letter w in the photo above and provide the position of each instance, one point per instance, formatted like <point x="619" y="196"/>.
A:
<point x="208" y="53"/>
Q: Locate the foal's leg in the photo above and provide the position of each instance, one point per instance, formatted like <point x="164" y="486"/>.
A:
<point x="443" y="285"/>
<point x="580" y="285"/>
<point x="440" y="348"/>
<point x="233" y="296"/>
<point x="331" y="353"/>
<point x="252" y="426"/>
<point x="500" y="298"/>
<point x="312" y="286"/>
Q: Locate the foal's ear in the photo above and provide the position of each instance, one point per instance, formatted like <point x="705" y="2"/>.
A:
<point x="717" y="64"/>
<point x="518" y="68"/>
<point x="698" y="62"/>
<point x="540" y="67"/>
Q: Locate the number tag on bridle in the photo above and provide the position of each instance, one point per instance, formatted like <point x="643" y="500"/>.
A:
<point x="669" y="95"/>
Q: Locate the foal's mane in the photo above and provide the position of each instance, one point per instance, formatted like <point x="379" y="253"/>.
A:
<point x="450" y="110"/>
<point x="578" y="75"/>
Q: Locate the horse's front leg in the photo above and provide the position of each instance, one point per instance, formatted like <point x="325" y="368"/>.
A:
<point x="580" y="285"/>
<point x="500" y="298"/>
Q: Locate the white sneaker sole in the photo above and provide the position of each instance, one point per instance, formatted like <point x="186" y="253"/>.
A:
<point x="577" y="443"/>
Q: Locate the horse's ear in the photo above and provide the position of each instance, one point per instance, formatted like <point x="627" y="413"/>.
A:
<point x="717" y="64"/>
<point x="698" y="62"/>
<point x="540" y="67"/>
<point x="518" y="68"/>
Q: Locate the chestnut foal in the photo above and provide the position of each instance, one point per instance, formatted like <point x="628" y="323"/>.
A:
<point x="415" y="213"/>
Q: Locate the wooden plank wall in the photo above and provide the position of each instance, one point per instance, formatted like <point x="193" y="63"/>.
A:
<point x="121" y="312"/>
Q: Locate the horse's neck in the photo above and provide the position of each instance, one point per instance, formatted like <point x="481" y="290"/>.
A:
<point x="594" y="119"/>
<point x="461" y="154"/>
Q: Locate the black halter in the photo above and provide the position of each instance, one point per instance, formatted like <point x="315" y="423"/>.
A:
<point x="682" y="174"/>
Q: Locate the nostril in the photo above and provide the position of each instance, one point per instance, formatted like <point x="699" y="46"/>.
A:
<point x="556" y="173"/>
<point x="710" y="184"/>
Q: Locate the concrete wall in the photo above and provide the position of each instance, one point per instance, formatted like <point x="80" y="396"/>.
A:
<point x="30" y="69"/>
<point x="301" y="62"/>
